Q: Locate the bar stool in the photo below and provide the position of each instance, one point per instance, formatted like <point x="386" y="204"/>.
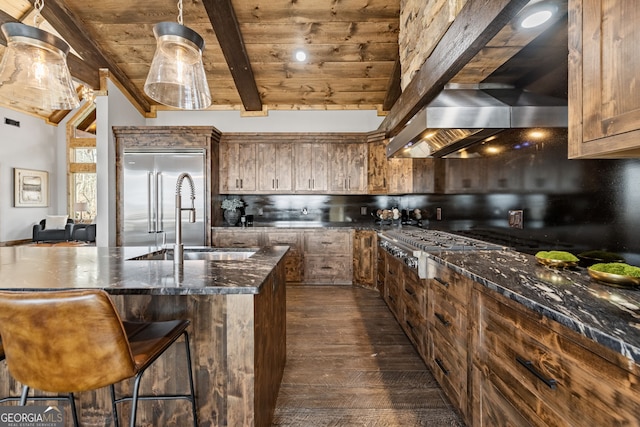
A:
<point x="72" y="341"/>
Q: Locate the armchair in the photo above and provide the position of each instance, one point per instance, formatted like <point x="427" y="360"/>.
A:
<point x="84" y="232"/>
<point x="42" y="234"/>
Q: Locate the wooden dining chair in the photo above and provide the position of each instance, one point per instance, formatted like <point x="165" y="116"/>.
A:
<point x="72" y="341"/>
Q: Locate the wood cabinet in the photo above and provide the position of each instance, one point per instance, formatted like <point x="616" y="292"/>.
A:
<point x="275" y="167"/>
<point x="365" y="244"/>
<point x="406" y="296"/>
<point x="348" y="168"/>
<point x="449" y="294"/>
<point x="234" y="238"/>
<point x="328" y="256"/>
<point x="604" y="97"/>
<point x="294" y="260"/>
<point x="237" y="167"/>
<point x="402" y="175"/>
<point x="528" y="370"/>
<point x="311" y="168"/>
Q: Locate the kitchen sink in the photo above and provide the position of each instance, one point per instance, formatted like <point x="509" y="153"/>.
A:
<point x="202" y="254"/>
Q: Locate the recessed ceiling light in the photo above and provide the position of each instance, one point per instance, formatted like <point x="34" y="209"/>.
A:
<point x="301" y="55"/>
<point x="537" y="14"/>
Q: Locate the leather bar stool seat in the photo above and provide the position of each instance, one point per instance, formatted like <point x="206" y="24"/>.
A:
<point x="68" y="342"/>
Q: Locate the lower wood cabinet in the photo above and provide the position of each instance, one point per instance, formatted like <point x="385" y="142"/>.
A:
<point x="365" y="244"/>
<point x="328" y="256"/>
<point x="317" y="256"/>
<point x="502" y="364"/>
<point x="448" y="301"/>
<point x="294" y="260"/>
<point x="528" y="370"/>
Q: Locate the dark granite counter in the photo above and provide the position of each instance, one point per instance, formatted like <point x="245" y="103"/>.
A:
<point x="608" y="315"/>
<point x="301" y="225"/>
<point x="32" y="267"/>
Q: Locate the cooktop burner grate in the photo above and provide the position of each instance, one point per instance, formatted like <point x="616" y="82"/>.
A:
<point x="435" y="240"/>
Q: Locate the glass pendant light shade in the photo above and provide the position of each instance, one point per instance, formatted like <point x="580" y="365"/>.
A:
<point x="176" y="77"/>
<point x="34" y="69"/>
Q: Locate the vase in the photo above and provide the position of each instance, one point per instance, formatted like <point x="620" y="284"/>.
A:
<point x="232" y="216"/>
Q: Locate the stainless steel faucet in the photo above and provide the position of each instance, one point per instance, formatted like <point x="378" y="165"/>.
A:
<point x="178" y="250"/>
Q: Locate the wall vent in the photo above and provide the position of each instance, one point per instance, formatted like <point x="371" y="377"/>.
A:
<point x="11" y="122"/>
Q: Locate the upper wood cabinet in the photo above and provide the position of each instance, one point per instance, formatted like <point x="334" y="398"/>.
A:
<point x="275" y="167"/>
<point x="237" y="167"/>
<point x="348" y="168"/>
<point x="310" y="172"/>
<point x="604" y="92"/>
<point x="377" y="169"/>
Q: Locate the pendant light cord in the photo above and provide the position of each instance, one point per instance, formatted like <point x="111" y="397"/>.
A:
<point x="179" y="12"/>
<point x="38" y="5"/>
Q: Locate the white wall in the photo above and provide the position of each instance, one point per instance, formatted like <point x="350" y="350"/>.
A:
<point x="34" y="145"/>
<point x="112" y="110"/>
<point x="276" y="121"/>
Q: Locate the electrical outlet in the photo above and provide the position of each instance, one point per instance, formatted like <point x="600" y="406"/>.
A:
<point x="260" y="211"/>
<point x="305" y="211"/>
<point x="516" y="218"/>
<point x="439" y="214"/>
<point x="363" y="210"/>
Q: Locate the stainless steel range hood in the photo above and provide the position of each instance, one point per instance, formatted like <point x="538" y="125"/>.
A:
<point x="463" y="115"/>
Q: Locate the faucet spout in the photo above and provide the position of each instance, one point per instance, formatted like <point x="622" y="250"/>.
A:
<point x="178" y="252"/>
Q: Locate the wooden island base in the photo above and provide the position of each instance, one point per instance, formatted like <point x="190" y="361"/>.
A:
<point x="238" y="345"/>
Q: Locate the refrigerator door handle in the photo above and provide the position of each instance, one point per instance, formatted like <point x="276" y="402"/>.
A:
<point x="159" y="203"/>
<point x="150" y="192"/>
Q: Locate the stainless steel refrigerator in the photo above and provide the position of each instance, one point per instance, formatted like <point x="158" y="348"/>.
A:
<point x="149" y="191"/>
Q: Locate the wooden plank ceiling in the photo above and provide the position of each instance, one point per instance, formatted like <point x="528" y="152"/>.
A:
<point x="351" y="46"/>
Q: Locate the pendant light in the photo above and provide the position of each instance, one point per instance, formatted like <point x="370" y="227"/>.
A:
<point x="176" y="77"/>
<point x="34" y="67"/>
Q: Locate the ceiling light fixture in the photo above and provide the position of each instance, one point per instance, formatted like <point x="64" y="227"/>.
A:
<point x="34" y="67"/>
<point x="537" y="14"/>
<point x="176" y="77"/>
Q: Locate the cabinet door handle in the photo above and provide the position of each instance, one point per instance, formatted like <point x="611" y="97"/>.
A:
<point x="310" y="185"/>
<point x="410" y="291"/>
<point x="442" y="282"/>
<point x="273" y="183"/>
<point x="441" y="366"/>
<point x="277" y="184"/>
<point x="240" y="182"/>
<point x="528" y="364"/>
<point x="313" y="182"/>
<point x="237" y="182"/>
<point x="325" y="268"/>
<point x="442" y="319"/>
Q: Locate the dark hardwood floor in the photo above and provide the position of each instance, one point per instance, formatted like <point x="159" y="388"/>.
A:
<point x="350" y="364"/>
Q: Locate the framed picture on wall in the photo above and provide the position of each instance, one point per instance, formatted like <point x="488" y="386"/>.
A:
<point x="30" y="188"/>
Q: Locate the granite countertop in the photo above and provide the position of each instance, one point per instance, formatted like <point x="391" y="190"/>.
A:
<point x="262" y="226"/>
<point x="42" y="268"/>
<point x="606" y="314"/>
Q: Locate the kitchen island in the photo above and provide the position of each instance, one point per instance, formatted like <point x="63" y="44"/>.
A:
<point x="238" y="330"/>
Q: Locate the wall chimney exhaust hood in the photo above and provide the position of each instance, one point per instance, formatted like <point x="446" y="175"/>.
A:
<point x="462" y="115"/>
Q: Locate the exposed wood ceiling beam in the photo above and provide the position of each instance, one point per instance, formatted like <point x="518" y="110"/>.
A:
<point x="227" y="29"/>
<point x="73" y="31"/>
<point x="394" y="89"/>
<point x="476" y="24"/>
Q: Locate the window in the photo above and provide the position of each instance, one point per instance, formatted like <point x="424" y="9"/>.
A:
<point x="81" y="162"/>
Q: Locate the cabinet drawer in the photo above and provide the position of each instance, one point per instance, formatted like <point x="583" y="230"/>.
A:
<point x="284" y="238"/>
<point x="415" y="292"/>
<point x="449" y="318"/>
<point x="450" y="369"/>
<point x="549" y="378"/>
<point x="328" y="242"/>
<point x="236" y="239"/>
<point x="323" y="269"/>
<point x="451" y="282"/>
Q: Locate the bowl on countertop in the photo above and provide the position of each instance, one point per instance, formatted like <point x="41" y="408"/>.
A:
<point x="616" y="280"/>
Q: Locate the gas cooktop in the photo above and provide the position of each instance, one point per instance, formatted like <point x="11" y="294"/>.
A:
<point x="435" y="240"/>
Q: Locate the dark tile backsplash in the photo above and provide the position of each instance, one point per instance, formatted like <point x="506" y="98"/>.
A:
<point x="598" y="209"/>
